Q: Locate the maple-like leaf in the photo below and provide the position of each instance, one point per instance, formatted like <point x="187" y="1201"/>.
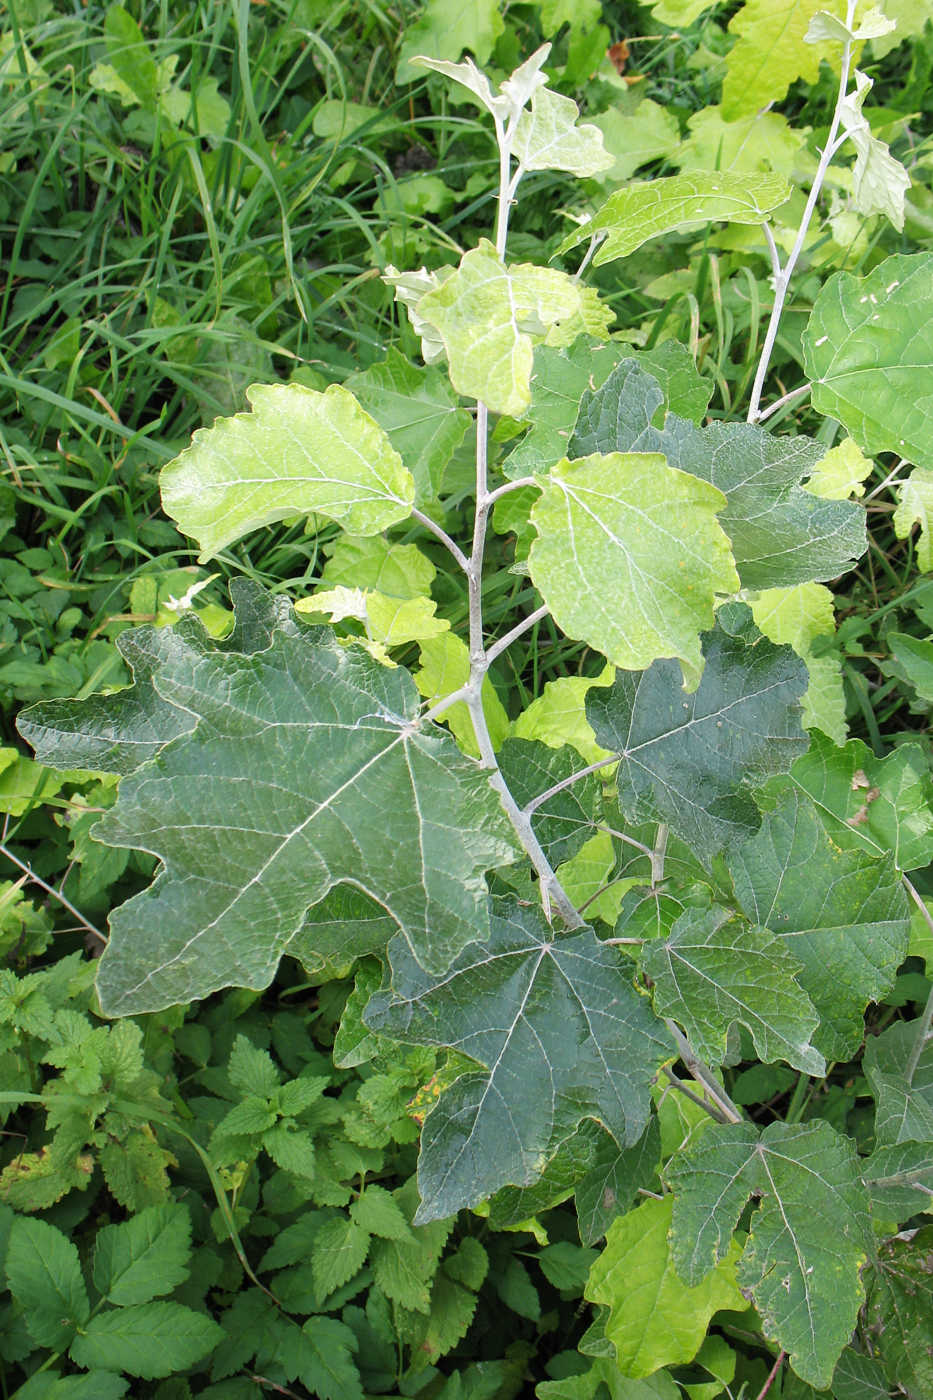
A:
<point x="838" y="909"/>
<point x="559" y="1035"/>
<point x="119" y="732"/>
<point x="281" y="791"/>
<point x="809" y="1236"/>
<point x="692" y="760"/>
<point x="714" y="970"/>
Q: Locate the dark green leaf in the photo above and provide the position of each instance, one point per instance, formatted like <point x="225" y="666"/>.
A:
<point x="714" y="970"/>
<point x="44" y="1276"/>
<point x="838" y="909"/>
<point x="565" y="822"/>
<point x="900" y="1310"/>
<point x="560" y="377"/>
<point x="99" y="1385"/>
<point x="419" y="411"/>
<point x="294" y="745"/>
<point x="609" y="1187"/>
<point x="904" y="1106"/>
<point x="327" y="1368"/>
<point x="561" y="1034"/>
<point x="149" y="1340"/>
<point x="144" y="1257"/>
<point x="692" y="760"/>
<point x="809" y="1236"/>
<point x="900" y="1179"/>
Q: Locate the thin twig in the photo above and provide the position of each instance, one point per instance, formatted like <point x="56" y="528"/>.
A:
<point x="621" y="836"/>
<point x="537" y="802"/>
<point x="694" y="1098"/>
<point x="515" y="485"/>
<point x="704" y="1076"/>
<point x="889" y="479"/>
<point x="784" y="399"/>
<point x="54" y="893"/>
<point x="658" y="854"/>
<point x="444" y="538"/>
<point x="514" y="633"/>
<point x="783" y="276"/>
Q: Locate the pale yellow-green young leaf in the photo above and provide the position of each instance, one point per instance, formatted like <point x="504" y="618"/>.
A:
<point x="547" y="137"/>
<point x="389" y="622"/>
<point x="629" y="557"/>
<point x="633" y="215"/>
<point x="585" y="874"/>
<point x="299" y="451"/>
<point x="759" y="141"/>
<point x="824" y="702"/>
<point x="469" y="76"/>
<point x="677" y="14"/>
<point x="558" y="716"/>
<point x="634" y="138"/>
<point x="910" y="16"/>
<point x="398" y="570"/>
<point x="795" y="617"/>
<point x="634" y="1278"/>
<point x="445" y="667"/>
<point x="443" y="32"/>
<point x="915" y="507"/>
<point x="841" y="473"/>
<point x="826" y="26"/>
<point x="593" y="318"/>
<point x="490" y="316"/>
<point x="770" y="53"/>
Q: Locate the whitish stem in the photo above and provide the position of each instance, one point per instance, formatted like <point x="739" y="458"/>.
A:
<point x="515" y="632"/>
<point x="783" y="274"/>
<point x="510" y="486"/>
<point x="543" y="797"/>
<point x="703" y="1076"/>
<point x="630" y="840"/>
<point x="658" y="854"/>
<point x="444" y="538"/>
<point x="926" y="1020"/>
<point x="890" y="480"/>
<point x="678" y="1084"/>
<point x="784" y="399"/>
<point x="55" y="894"/>
<point x="552" y="892"/>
